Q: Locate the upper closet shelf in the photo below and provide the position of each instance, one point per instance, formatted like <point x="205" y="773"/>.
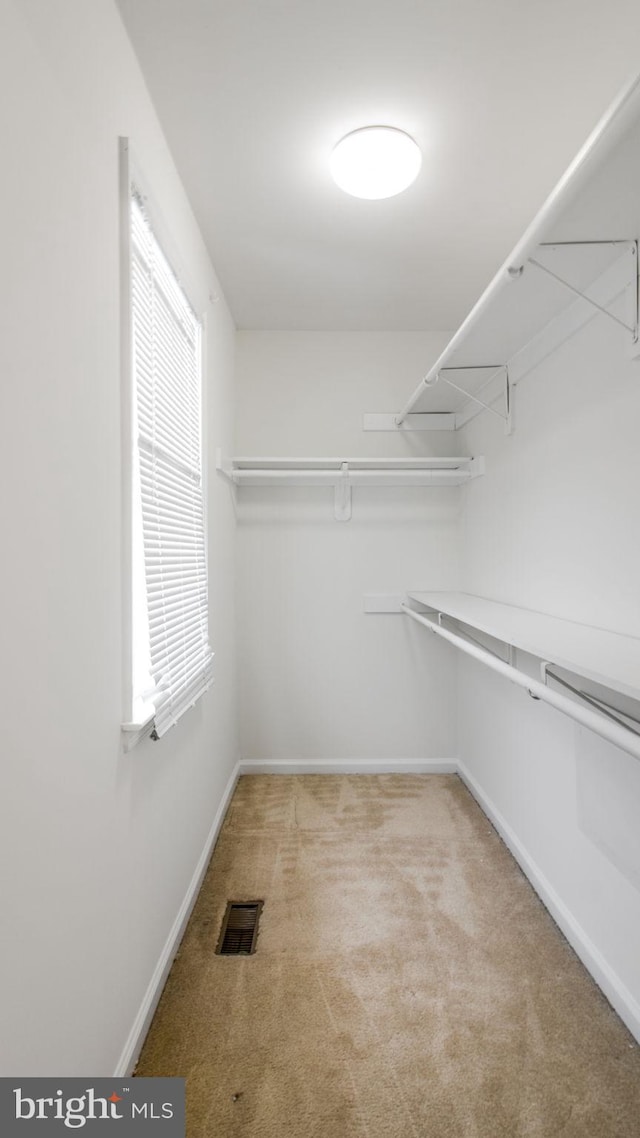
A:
<point x="578" y="259"/>
<point x="343" y="473"/>
<point x="606" y="658"/>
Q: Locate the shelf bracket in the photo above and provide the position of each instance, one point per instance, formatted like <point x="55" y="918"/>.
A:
<point x="466" y="635"/>
<point x="506" y="417"/>
<point x="342" y="500"/>
<point x="601" y="705"/>
<point x="632" y="328"/>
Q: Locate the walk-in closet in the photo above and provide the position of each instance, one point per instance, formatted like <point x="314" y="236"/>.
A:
<point x="321" y="497"/>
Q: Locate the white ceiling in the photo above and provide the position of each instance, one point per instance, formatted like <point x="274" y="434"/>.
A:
<point x="253" y="94"/>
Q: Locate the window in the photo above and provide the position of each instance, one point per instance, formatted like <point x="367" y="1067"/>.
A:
<point x="170" y="658"/>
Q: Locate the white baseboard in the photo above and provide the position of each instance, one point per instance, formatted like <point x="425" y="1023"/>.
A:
<point x="142" y="1022"/>
<point x="348" y="766"/>
<point x="607" y="980"/>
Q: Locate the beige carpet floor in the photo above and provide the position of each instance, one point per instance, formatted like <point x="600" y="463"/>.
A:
<point x="407" y="980"/>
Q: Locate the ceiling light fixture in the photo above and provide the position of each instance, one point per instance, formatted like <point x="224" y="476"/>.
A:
<point x="375" y="162"/>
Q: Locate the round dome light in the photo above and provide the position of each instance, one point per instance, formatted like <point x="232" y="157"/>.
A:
<point x="375" y="162"/>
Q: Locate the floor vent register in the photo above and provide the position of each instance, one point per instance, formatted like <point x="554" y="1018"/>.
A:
<point x="239" y="930"/>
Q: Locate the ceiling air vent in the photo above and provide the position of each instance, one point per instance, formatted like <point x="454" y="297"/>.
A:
<point x="239" y="928"/>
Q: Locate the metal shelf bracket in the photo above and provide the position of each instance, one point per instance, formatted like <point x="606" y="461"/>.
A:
<point x="633" y="249"/>
<point x="608" y="709"/>
<point x="495" y="369"/>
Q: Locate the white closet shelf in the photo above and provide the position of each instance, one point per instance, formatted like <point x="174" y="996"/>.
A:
<point x="607" y="658"/>
<point x="344" y="473"/>
<point x="241" y="470"/>
<point x="578" y="259"/>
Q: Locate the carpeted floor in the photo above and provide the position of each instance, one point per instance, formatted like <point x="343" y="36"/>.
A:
<point x="407" y="982"/>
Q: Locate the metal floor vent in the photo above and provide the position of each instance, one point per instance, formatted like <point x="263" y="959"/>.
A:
<point x="239" y="928"/>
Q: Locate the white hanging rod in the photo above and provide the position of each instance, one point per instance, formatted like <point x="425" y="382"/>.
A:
<point x="612" y="731"/>
<point x="512" y="267"/>
<point x="381" y="477"/>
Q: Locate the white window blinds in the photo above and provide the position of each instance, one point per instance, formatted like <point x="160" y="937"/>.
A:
<point x="168" y="484"/>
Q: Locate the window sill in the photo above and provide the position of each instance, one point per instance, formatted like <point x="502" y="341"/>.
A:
<point x="134" y="733"/>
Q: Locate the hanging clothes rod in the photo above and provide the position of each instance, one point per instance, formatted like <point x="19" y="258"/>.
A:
<point x="511" y="269"/>
<point x="381" y="477"/>
<point x="613" y="732"/>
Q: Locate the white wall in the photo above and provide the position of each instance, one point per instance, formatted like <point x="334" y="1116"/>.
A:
<point x="318" y="678"/>
<point x="98" y="847"/>
<point x="553" y="526"/>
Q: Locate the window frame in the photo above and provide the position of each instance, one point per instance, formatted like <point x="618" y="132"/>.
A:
<point x="132" y="178"/>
